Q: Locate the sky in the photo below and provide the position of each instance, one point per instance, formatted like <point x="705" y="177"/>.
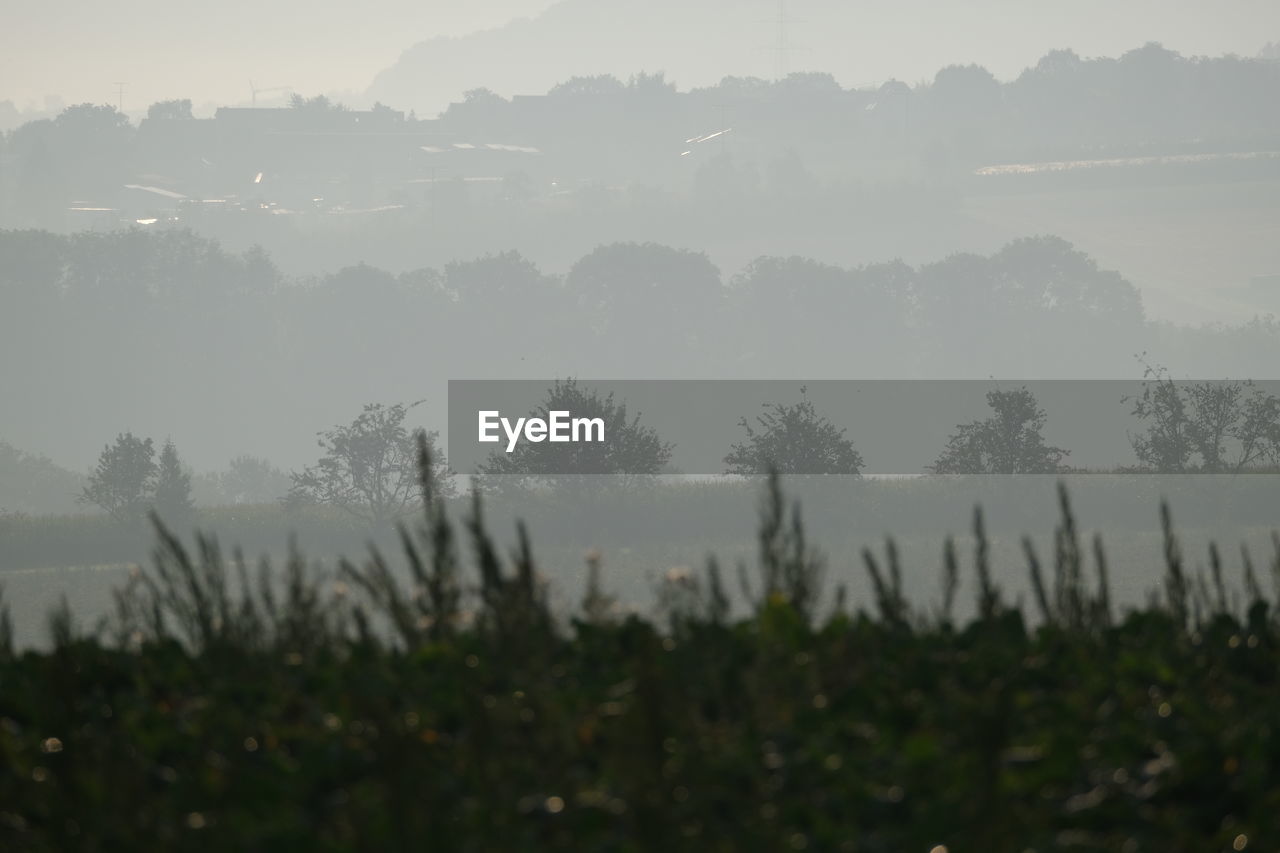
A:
<point x="210" y="51"/>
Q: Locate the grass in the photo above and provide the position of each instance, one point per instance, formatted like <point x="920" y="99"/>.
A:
<point x="440" y="700"/>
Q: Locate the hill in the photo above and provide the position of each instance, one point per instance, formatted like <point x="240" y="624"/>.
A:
<point x="697" y="43"/>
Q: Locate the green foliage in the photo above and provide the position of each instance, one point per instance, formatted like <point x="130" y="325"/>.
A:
<point x="369" y="467"/>
<point x="793" y="440"/>
<point x="790" y="568"/>
<point x="1009" y="442"/>
<point x="1068" y="603"/>
<point x="223" y="709"/>
<point x="6" y="628"/>
<point x="123" y="482"/>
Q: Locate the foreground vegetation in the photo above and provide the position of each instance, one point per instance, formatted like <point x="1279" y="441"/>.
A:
<point x="391" y="707"/>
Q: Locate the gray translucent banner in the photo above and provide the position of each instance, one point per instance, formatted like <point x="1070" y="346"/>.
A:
<point x="897" y="427"/>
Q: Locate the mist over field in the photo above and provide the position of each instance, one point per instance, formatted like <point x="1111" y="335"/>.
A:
<point x="615" y="191"/>
<point x="619" y="425"/>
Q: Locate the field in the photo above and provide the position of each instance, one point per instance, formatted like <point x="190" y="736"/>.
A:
<point x="432" y="696"/>
<point x="643" y="533"/>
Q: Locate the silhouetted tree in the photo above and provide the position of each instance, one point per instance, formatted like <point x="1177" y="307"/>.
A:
<point x="173" y="487"/>
<point x="651" y="85"/>
<point x="626" y="292"/>
<point x="123" y="482"/>
<point x="1009" y="442"/>
<point x="249" y="479"/>
<point x="369" y="467"/>
<point x="793" y="439"/>
<point x="170" y="110"/>
<point x="318" y="104"/>
<point x="629" y="447"/>
<point x="967" y="100"/>
<point x="84" y="152"/>
<point x="32" y="483"/>
<point x="1212" y="427"/>
<point x="599" y="85"/>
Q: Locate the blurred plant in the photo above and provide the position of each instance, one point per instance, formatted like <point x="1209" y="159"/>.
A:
<point x="790" y="568"/>
<point x="404" y="715"/>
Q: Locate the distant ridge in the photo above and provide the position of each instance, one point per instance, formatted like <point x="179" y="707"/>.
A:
<point x="698" y="42"/>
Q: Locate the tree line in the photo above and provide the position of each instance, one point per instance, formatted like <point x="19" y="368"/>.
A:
<point x="369" y="467"/>
<point x="171" y="310"/>
<point x="1031" y="295"/>
<point x="1065" y="103"/>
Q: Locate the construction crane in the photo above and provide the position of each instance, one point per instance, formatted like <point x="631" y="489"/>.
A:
<point x="254" y="90"/>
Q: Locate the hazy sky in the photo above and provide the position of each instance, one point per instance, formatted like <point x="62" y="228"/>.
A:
<point x="210" y="50"/>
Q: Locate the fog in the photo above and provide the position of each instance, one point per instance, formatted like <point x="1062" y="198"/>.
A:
<point x="423" y="55"/>
<point x="308" y="219"/>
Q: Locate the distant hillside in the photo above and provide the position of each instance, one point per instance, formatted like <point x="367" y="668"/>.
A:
<point x="698" y="42"/>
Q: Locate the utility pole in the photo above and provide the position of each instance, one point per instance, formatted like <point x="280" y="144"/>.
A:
<point x="783" y="44"/>
<point x="120" y="95"/>
<point x="782" y="47"/>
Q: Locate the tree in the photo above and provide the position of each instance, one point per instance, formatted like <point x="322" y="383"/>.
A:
<point x="793" y="440"/>
<point x="316" y="104"/>
<point x="369" y="467"/>
<point x="625" y="293"/>
<point x="124" y="479"/>
<point x="83" y="153"/>
<point x="35" y="484"/>
<point x="600" y="84"/>
<point x="477" y="109"/>
<point x="532" y="303"/>
<point x="652" y="85"/>
<point x="1211" y="427"/>
<point x="1009" y="442"/>
<point x="249" y="479"/>
<point x="172" y="497"/>
<point x="966" y="97"/>
<point x="170" y="110"/>
<point x="629" y="448"/>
